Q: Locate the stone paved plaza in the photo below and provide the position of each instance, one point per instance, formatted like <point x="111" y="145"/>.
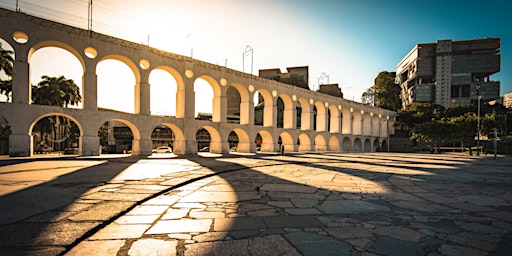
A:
<point x="296" y="204"/>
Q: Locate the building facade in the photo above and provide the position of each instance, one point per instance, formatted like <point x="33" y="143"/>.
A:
<point x="507" y="100"/>
<point x="450" y="73"/>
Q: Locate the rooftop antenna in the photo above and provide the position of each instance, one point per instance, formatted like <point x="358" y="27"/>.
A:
<point x="248" y="51"/>
<point x="89" y="20"/>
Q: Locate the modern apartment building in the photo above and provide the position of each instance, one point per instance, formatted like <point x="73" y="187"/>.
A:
<point x="450" y="73"/>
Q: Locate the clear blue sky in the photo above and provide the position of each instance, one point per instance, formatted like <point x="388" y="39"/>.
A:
<point x="349" y="40"/>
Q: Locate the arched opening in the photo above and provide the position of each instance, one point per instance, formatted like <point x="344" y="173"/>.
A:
<point x="315" y="118"/>
<point x="162" y="92"/>
<point x="162" y="139"/>
<point x="204" y="96"/>
<point x="243" y="144"/>
<point x="233" y="105"/>
<point x="367" y="145"/>
<point x="280" y="112"/>
<point x="263" y="108"/>
<point x="54" y="62"/>
<point x="5" y="131"/>
<point x="6" y="79"/>
<point x="56" y="134"/>
<point x="320" y="144"/>
<point x="116" y="137"/>
<point x="233" y="141"/>
<point x="358" y="145"/>
<point x="376" y="145"/>
<point x="346" y="146"/>
<point x="116" y="78"/>
<point x="265" y="142"/>
<point x="334" y="144"/>
<point x="287" y="142"/>
<point x="203" y="140"/>
<point x="305" y="142"/>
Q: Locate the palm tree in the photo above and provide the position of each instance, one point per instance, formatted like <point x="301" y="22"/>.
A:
<point x="56" y="91"/>
<point x="6" y="65"/>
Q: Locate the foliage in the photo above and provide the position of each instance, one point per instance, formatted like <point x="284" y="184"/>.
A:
<point x="56" y="91"/>
<point x="6" y="65"/>
<point x="385" y="93"/>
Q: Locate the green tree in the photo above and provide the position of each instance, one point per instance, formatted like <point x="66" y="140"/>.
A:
<point x="6" y="65"/>
<point x="385" y="93"/>
<point x="56" y="91"/>
<point x="417" y="113"/>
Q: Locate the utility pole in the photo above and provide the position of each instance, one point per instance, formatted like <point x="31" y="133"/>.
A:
<point x="89" y="20"/>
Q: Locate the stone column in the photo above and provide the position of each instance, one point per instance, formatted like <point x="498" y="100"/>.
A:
<point x="290" y="116"/>
<point x="90" y="145"/>
<point x="20" y="144"/>
<point x="21" y="78"/>
<point x="90" y="86"/>
<point x="220" y="106"/>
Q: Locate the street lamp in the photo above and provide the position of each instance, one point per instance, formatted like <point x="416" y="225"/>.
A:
<point x="478" y="117"/>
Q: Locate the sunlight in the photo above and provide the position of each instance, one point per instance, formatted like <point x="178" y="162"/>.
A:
<point x="163" y="93"/>
<point x="116" y="86"/>
<point x="55" y="62"/>
<point x="203" y="97"/>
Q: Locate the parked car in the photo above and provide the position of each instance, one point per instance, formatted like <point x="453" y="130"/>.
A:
<point x="162" y="149"/>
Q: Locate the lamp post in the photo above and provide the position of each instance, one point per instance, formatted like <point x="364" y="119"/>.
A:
<point x="478" y="117"/>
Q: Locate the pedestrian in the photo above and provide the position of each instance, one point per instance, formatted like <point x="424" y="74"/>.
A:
<point x="282" y="150"/>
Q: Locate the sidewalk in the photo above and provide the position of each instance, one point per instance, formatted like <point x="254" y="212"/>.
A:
<point x="299" y="204"/>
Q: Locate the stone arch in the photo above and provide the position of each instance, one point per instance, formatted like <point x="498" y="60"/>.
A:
<point x="376" y="145"/>
<point x="244" y="143"/>
<point x="321" y="117"/>
<point x="178" y="79"/>
<point x="135" y="94"/>
<point x="346" y="123"/>
<point x="217" y="93"/>
<point x="305" y="142"/>
<point x="367" y="145"/>
<point x="52" y="43"/>
<point x="179" y="144"/>
<point x="346" y="144"/>
<point x="71" y="118"/>
<point x="245" y="102"/>
<point x="357" y="125"/>
<point x="334" y="143"/>
<point x="367" y="124"/>
<point x="267" y="142"/>
<point x="287" y="142"/>
<point x="376" y="125"/>
<point x="306" y="114"/>
<point x="335" y="119"/>
<point x="265" y="110"/>
<point x="320" y="143"/>
<point x="358" y="146"/>
<point x="289" y="112"/>
<point x="216" y="141"/>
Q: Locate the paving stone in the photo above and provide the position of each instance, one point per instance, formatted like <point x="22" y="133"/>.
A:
<point x="152" y="247"/>
<point x="309" y="243"/>
<point x="116" y="231"/>
<point x="148" y="210"/>
<point x="351" y="207"/>
<point x="457" y="250"/>
<point x="210" y="236"/>
<point x="112" y="196"/>
<point x="137" y="219"/>
<point x="303" y="211"/>
<point x="481" y="228"/>
<point x="242" y="223"/>
<point x="348" y="232"/>
<point x="400" y="232"/>
<point x="288" y="188"/>
<point x="180" y="226"/>
<point x="280" y="222"/>
<point x="390" y="246"/>
<point x="101" y="247"/>
<point x="482" y="200"/>
<point x="102" y="211"/>
<point x="304" y="203"/>
<point x="175" y="214"/>
<point x="207" y="215"/>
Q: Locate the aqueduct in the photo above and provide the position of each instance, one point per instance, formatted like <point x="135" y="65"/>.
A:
<point x="327" y="123"/>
